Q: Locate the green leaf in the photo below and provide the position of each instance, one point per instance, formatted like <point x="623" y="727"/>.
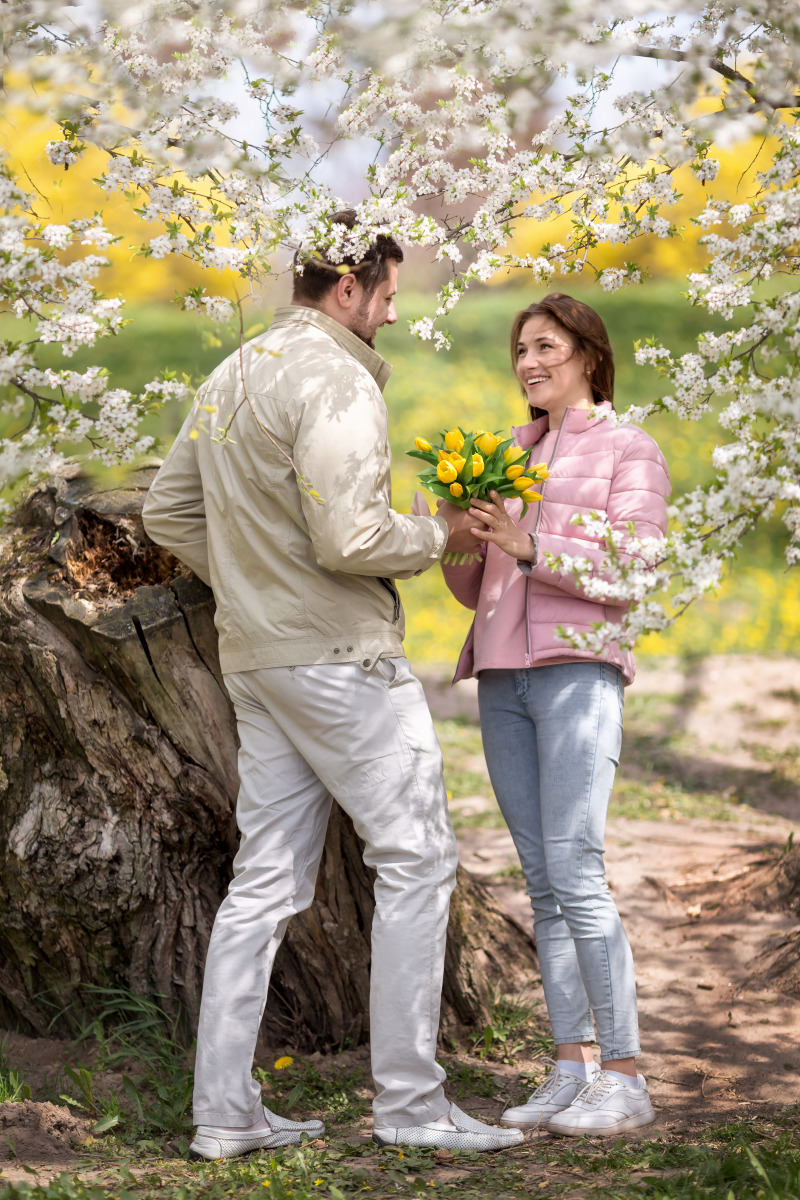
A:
<point x="107" y="1123"/>
<point x="131" y="1091"/>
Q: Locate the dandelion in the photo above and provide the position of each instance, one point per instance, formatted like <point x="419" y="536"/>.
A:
<point x="283" y="1063"/>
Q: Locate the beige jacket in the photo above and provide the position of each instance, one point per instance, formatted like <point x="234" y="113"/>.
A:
<point x="295" y="581"/>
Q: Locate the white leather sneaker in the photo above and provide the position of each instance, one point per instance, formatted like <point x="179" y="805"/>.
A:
<point x="604" y="1108"/>
<point x="556" y="1093"/>
<point x="211" y="1142"/>
<point x="466" y="1134"/>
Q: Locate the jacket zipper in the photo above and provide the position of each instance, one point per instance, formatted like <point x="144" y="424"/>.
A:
<point x="535" y="534"/>
<point x="389" y="584"/>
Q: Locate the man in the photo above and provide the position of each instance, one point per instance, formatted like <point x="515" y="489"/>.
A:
<point x="288" y="517"/>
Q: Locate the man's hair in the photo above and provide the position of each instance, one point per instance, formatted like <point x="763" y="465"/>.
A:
<point x="319" y="274"/>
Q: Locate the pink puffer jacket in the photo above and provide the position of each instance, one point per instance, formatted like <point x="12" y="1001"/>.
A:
<point x="595" y="466"/>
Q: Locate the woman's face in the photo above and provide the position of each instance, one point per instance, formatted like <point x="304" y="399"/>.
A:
<point x="552" y="373"/>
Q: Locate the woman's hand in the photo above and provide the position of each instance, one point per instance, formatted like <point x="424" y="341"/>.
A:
<point x="499" y="528"/>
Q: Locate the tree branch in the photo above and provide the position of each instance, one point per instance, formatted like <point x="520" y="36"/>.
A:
<point x="721" y="68"/>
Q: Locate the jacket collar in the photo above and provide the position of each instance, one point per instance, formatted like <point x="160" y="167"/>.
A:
<point x="576" y="420"/>
<point x="296" y="314"/>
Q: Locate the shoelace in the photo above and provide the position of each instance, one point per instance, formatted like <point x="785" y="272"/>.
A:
<point x="547" y="1085"/>
<point x="594" y="1092"/>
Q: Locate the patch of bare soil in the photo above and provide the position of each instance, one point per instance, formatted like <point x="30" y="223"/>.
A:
<point x="41" y="1137"/>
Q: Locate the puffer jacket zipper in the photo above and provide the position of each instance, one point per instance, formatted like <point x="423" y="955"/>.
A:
<point x="391" y="588"/>
<point x="535" y="534"/>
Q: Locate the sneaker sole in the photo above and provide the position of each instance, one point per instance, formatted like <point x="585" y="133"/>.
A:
<point x="635" y="1122"/>
<point x="539" y="1123"/>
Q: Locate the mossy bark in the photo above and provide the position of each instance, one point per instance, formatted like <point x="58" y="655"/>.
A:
<point x="117" y="794"/>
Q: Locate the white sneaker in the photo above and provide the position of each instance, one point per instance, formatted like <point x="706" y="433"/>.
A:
<point x="467" y="1134"/>
<point x="556" y="1093"/>
<point x="211" y="1142"/>
<point x="603" y="1108"/>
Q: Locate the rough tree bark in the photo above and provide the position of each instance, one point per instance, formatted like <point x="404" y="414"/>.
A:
<point x="117" y="789"/>
<point x="775" y="886"/>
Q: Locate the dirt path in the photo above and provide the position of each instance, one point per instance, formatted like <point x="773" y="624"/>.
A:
<point x="712" y="1044"/>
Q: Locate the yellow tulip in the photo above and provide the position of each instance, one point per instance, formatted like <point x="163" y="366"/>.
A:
<point x="514" y="471"/>
<point x="458" y="462"/>
<point x="446" y="472"/>
<point x="487" y="443"/>
<point x="444" y="455"/>
<point x="538" y="469"/>
<point x="530" y="497"/>
<point x="456" y="489"/>
<point x="513" y="453"/>
<point x="454" y="440"/>
<point x="421" y="444"/>
<point x="477" y="465"/>
<point x="523" y="483"/>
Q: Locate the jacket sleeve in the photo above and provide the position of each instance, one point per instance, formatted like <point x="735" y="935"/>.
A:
<point x="174" y="512"/>
<point x="341" y="449"/>
<point x="465" y="582"/>
<point x="639" y="490"/>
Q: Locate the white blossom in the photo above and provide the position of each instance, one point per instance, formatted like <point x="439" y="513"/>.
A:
<point x="446" y="95"/>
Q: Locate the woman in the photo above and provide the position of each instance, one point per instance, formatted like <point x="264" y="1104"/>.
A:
<point x="551" y="717"/>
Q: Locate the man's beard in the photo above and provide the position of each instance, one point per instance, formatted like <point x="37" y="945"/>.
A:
<point x="361" y="323"/>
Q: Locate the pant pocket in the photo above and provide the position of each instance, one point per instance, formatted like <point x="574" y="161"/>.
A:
<point x="387" y="669"/>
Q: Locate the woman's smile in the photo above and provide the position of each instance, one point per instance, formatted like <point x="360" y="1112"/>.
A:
<point x="551" y="370"/>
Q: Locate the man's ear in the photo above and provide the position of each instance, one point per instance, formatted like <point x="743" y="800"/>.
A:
<point x="346" y="289"/>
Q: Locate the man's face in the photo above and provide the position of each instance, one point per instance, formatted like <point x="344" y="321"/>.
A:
<point x="376" y="308"/>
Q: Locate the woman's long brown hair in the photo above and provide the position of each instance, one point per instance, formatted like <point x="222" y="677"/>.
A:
<point x="589" y="334"/>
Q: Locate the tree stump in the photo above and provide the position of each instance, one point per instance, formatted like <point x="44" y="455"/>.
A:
<point x="118" y="782"/>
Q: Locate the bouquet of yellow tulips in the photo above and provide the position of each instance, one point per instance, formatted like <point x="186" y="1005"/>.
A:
<point x="468" y="466"/>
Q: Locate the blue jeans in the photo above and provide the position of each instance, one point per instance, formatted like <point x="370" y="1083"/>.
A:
<point x="552" y="737"/>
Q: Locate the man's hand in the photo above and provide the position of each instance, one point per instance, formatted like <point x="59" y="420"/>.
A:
<point x="461" y="540"/>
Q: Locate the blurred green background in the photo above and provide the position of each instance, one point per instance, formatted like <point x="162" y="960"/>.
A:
<point x="756" y="611"/>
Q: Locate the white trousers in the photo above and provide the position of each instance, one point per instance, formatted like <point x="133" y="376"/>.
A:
<point x="309" y="734"/>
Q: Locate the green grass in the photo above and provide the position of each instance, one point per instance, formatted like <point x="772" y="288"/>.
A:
<point x="302" y="1086"/>
<point x="746" y="1160"/>
<point x="136" y="1159"/>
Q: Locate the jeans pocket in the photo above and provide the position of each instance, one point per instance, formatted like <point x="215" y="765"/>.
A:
<point x="387" y="669"/>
